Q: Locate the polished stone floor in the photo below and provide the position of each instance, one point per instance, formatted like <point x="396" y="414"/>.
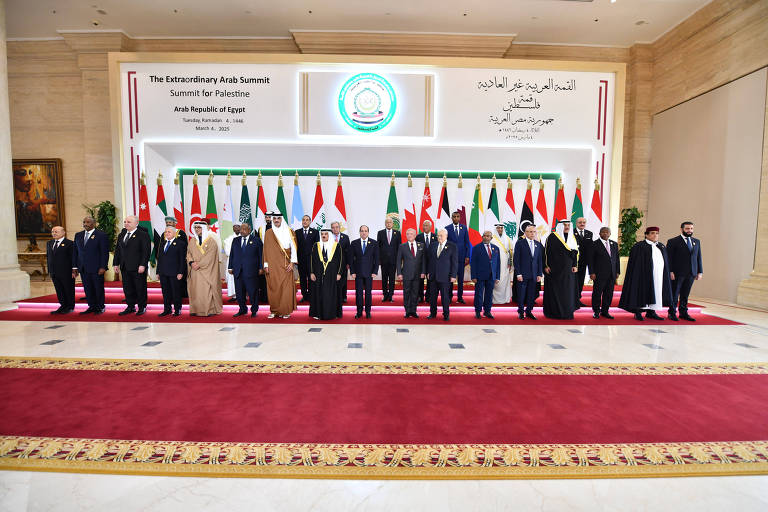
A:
<point x="642" y="343"/>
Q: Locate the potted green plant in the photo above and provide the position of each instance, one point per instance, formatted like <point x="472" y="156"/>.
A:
<point x="629" y="223"/>
<point x="105" y="215"/>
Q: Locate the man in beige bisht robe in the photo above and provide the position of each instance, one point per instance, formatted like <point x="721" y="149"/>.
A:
<point x="204" y="278"/>
<point x="279" y="260"/>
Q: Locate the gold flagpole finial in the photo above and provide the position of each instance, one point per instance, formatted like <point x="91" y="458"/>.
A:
<point x="176" y="178"/>
<point x="477" y="185"/>
<point x="509" y="181"/>
<point x="392" y="180"/>
<point x="159" y="178"/>
<point x="229" y="178"/>
<point x="541" y="182"/>
<point x="597" y="184"/>
<point x="530" y="183"/>
<point x="560" y="185"/>
<point x="210" y="177"/>
<point x="494" y="180"/>
<point x="410" y="180"/>
<point x="279" y="178"/>
<point x="460" y="180"/>
<point x="258" y="179"/>
<point x="426" y="179"/>
<point x="338" y="181"/>
<point x="578" y="183"/>
<point x="194" y="178"/>
<point x="318" y="178"/>
<point x="242" y="180"/>
<point x="296" y="178"/>
<point x="445" y="179"/>
<point x="143" y="179"/>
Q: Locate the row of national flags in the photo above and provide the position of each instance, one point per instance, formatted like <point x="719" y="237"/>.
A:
<point x="476" y="214"/>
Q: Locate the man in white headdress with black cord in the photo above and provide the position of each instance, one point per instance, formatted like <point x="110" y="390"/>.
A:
<point x="561" y="259"/>
<point x="280" y="256"/>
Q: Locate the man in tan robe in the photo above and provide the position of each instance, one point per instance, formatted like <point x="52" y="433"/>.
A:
<point x="204" y="279"/>
<point x="279" y="259"/>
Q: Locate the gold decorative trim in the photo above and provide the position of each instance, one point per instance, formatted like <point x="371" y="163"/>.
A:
<point x="307" y="460"/>
<point x="386" y="368"/>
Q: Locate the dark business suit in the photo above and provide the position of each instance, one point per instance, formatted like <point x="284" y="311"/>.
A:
<point x="530" y="266"/>
<point x="424" y="287"/>
<point x="460" y="238"/>
<point x="304" y="245"/>
<point x="486" y="271"/>
<point x="585" y="256"/>
<point x="363" y="265"/>
<point x="686" y="264"/>
<point x="171" y="261"/>
<point x="440" y="270"/>
<point x="130" y="254"/>
<point x="245" y="261"/>
<point x="606" y="269"/>
<point x="92" y="255"/>
<point x="343" y="242"/>
<point x="387" y="255"/>
<point x="61" y="260"/>
<point x="410" y="266"/>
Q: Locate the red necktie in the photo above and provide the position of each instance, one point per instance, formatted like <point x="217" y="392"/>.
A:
<point x="413" y="251"/>
<point x="489" y="252"/>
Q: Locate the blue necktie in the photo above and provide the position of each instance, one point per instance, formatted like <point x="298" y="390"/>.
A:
<point x="688" y="241"/>
<point x="167" y="244"/>
<point x="363" y="246"/>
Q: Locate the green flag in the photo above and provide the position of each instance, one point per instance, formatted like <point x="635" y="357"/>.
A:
<point x="393" y="211"/>
<point x="578" y="208"/>
<point x="211" y="212"/>
<point x="281" y="198"/>
<point x="475" y="232"/>
<point x="245" y="206"/>
<point x="492" y="212"/>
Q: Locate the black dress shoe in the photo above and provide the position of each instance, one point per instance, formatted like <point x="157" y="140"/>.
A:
<point x="530" y="315"/>
<point x="688" y="317"/>
<point x="580" y="304"/>
<point x="87" y="311"/>
<point x="83" y="299"/>
<point x="98" y="311"/>
<point x="232" y="299"/>
<point x="652" y="315"/>
<point x="477" y="315"/>
<point x="141" y="311"/>
<point x="488" y="315"/>
<point x="367" y="315"/>
<point x="639" y="317"/>
<point x="358" y="315"/>
<point x="673" y="317"/>
<point x="66" y="311"/>
<point x="126" y="311"/>
<point x="177" y="313"/>
<point x="430" y="316"/>
<point x="254" y="313"/>
<point x="344" y="300"/>
<point x="164" y="313"/>
<point x="460" y="301"/>
<point x="607" y="315"/>
<point x="521" y="315"/>
<point x="240" y="313"/>
<point x="446" y="318"/>
<point x="56" y="311"/>
<point x="595" y="315"/>
<point x="407" y="315"/>
<point x="414" y="315"/>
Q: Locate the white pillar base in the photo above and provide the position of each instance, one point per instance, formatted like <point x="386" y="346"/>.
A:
<point x="14" y="285"/>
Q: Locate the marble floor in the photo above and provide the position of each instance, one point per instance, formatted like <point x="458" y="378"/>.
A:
<point x="668" y="342"/>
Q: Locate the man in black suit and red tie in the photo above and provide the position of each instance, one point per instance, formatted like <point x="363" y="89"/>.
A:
<point x="306" y="238"/>
<point x="131" y="258"/>
<point x="684" y="253"/>
<point x="388" y="240"/>
<point x="411" y="267"/>
<point x="61" y="259"/>
<point x="604" y="269"/>
<point x="364" y="265"/>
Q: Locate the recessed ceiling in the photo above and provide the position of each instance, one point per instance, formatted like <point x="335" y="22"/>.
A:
<point x="599" y="22"/>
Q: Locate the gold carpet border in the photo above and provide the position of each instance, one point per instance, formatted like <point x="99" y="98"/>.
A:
<point x="383" y="460"/>
<point x="385" y="368"/>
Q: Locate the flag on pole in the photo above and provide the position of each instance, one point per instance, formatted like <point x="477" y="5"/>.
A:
<point x="393" y="211"/>
<point x="297" y="208"/>
<point x="409" y="208"/>
<point x="443" y="205"/>
<point x="227" y="211"/>
<point x="195" y="212"/>
<point x="526" y="215"/>
<point x="595" y="220"/>
<point x="261" y="203"/>
<point x="145" y="219"/>
<point x="158" y="216"/>
<point x="507" y="211"/>
<point x="461" y="202"/>
<point x="245" y="203"/>
<point x="280" y="202"/>
<point x="560" y="212"/>
<point x="319" y="217"/>
<point x="475" y="231"/>
<point x="426" y="204"/>
<point x="492" y="216"/>
<point x="211" y="212"/>
<point x="540" y="215"/>
<point x="340" y="214"/>
<point x="178" y="203"/>
<point x="578" y="204"/>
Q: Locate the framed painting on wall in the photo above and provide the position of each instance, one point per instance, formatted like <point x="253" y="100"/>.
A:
<point x="38" y="196"/>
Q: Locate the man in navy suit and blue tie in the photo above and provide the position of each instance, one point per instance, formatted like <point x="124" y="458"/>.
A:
<point x="684" y="254"/>
<point x="363" y="265"/>
<point x="529" y="269"/>
<point x="245" y="263"/>
<point x="485" y="266"/>
<point x="171" y="265"/>
<point x="442" y="266"/>
<point x="92" y="256"/>
<point x="459" y="236"/>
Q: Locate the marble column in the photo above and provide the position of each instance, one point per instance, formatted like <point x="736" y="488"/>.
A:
<point x="14" y="283"/>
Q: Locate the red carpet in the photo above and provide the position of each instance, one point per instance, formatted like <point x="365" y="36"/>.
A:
<point x="38" y="308"/>
<point x="300" y="404"/>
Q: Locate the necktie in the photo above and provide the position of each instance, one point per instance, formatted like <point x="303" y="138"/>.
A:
<point x="85" y="238"/>
<point x="426" y="239"/>
<point x="488" y="248"/>
<point x="439" y="250"/>
<point x="167" y="243"/>
<point x="688" y="241"/>
<point x="126" y="237"/>
<point x="337" y="238"/>
<point x="242" y="242"/>
<point x="325" y="254"/>
<point x="389" y="237"/>
<point x="56" y="245"/>
<point x="607" y="247"/>
<point x="363" y="246"/>
<point x="413" y="251"/>
<point x="533" y="247"/>
<point x="200" y="239"/>
<point x="457" y="231"/>
<point x="305" y="233"/>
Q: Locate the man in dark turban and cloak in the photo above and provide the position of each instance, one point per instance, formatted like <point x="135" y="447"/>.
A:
<point x="646" y="281"/>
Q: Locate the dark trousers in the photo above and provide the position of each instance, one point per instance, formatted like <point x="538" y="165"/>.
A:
<point x="681" y="287"/>
<point x="411" y="294"/>
<point x="459" y="282"/>
<point x="262" y="280"/>
<point x="93" y="284"/>
<point x="602" y="294"/>
<point x="387" y="280"/>
<point x="134" y="288"/>
<point x="445" y="290"/>
<point x="580" y="275"/>
<point x="483" y="296"/>
<point x="526" y="294"/>
<point x="65" y="290"/>
<point x="172" y="293"/>
<point x="304" y="278"/>
<point x="423" y="290"/>
<point x="363" y="289"/>
<point x="247" y="286"/>
<point x="343" y="286"/>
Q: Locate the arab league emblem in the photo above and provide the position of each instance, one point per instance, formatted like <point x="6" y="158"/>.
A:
<point x="367" y="102"/>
